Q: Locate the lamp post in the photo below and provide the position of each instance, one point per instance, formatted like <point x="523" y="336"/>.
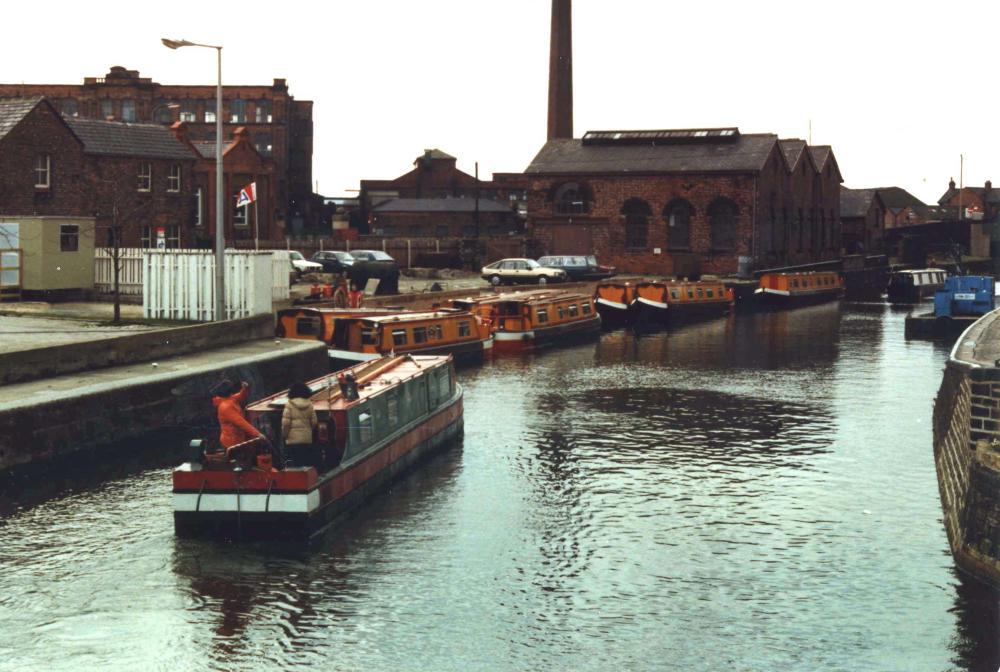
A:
<point x="220" y="237"/>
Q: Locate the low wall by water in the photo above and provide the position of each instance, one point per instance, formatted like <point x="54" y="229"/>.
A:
<point x="966" y="423"/>
<point x="25" y="365"/>
<point x="45" y="421"/>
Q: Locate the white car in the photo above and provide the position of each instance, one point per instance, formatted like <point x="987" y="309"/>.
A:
<point x="521" y="270"/>
<point x="302" y="265"/>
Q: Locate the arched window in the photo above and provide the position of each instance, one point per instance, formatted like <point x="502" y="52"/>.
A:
<point x="572" y="198"/>
<point x="722" y="224"/>
<point x="677" y="215"/>
<point x="637" y="213"/>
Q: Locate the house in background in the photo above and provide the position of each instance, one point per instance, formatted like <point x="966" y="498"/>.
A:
<point x="862" y="217"/>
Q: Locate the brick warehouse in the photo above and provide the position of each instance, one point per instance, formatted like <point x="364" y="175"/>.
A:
<point x="278" y="126"/>
<point x="685" y="202"/>
<point x="53" y="166"/>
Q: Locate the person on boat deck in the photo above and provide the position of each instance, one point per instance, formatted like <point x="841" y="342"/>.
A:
<point x="233" y="424"/>
<point x="298" y="421"/>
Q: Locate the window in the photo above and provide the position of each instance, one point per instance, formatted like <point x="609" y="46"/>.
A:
<point x="392" y="410"/>
<point x="709" y="293"/>
<point x="678" y="217"/>
<point x="560" y="312"/>
<point x="43" y="175"/>
<point x="69" y="238"/>
<point x="573" y="312"/>
<point x="107" y="111"/>
<point x="239" y="212"/>
<point x="572" y="198"/>
<point x="673" y="294"/>
<point x="542" y="314"/>
<point x="69" y="108"/>
<point x="210" y="111"/>
<point x="171" y="237"/>
<point x="198" y="219"/>
<point x="174" y="178"/>
<point x="722" y="225"/>
<point x="188" y="113"/>
<point x="586" y="308"/>
<point x="399" y="336"/>
<point x="369" y="336"/>
<point x="237" y="111"/>
<point x="309" y="326"/>
<point x="128" y="110"/>
<point x="637" y="213"/>
<point x="365" y="427"/>
<point x="420" y="334"/>
<point x="263" y="112"/>
<point x="690" y="293"/>
<point x="145" y="175"/>
<point x="444" y="385"/>
<point x="464" y="329"/>
<point x="701" y="293"/>
<point x="434" y="332"/>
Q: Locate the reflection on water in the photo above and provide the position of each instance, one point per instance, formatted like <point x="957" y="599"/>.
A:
<point x="754" y="492"/>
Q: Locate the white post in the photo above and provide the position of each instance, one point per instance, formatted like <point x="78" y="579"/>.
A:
<point x="408" y="255"/>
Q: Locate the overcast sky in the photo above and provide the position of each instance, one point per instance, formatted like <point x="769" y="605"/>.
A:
<point x="900" y="89"/>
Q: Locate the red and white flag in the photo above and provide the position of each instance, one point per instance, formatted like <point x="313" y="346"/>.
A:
<point x="248" y="194"/>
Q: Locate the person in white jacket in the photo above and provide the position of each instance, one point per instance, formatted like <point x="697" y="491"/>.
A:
<point x="298" y="421"/>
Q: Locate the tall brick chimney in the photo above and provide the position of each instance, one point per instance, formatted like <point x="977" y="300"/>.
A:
<point x="561" y="71"/>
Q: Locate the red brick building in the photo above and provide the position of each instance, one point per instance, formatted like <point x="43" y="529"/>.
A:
<point x="133" y="178"/>
<point x="443" y="218"/>
<point x="685" y="202"/>
<point x="436" y="176"/>
<point x="981" y="203"/>
<point x="862" y="216"/>
<point x="277" y="125"/>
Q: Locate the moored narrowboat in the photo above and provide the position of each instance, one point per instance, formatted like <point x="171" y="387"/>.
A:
<point x="525" y="320"/>
<point x="789" y="290"/>
<point x="912" y="286"/>
<point x="376" y="420"/>
<point x="662" y="301"/>
<point x="357" y="336"/>
<point x="614" y="301"/>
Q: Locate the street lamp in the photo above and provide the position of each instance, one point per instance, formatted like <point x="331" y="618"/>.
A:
<point x="220" y="237"/>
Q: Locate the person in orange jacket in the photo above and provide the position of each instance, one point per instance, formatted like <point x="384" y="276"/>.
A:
<point x="233" y="425"/>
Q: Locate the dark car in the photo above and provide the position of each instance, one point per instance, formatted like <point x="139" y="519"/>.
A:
<point x="374" y="264"/>
<point x="333" y="261"/>
<point x="578" y="267"/>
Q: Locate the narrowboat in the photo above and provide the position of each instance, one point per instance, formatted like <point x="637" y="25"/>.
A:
<point x="614" y="301"/>
<point x="912" y="286"/>
<point x="789" y="290"/>
<point x="525" y="320"/>
<point x="376" y="419"/>
<point x="661" y="301"/>
<point x="361" y="335"/>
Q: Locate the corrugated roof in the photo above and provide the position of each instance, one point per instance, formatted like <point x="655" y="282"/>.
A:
<point x="13" y="110"/>
<point x="747" y="153"/>
<point x="115" y="138"/>
<point x="440" y="205"/>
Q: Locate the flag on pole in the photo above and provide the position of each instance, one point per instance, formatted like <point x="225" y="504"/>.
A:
<point x="248" y="194"/>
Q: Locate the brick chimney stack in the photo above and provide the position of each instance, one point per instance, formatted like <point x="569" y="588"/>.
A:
<point x="561" y="71"/>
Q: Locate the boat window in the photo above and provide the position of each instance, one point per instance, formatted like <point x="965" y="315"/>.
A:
<point x="586" y="308"/>
<point x="392" y="409"/>
<point x="674" y="294"/>
<point x="701" y="293"/>
<point x="399" y="336"/>
<point x="709" y="293"/>
<point x="435" y="332"/>
<point x="365" y="427"/>
<point x="572" y="310"/>
<point x="444" y="385"/>
<point x="543" y="315"/>
<point x="795" y="283"/>
<point x="369" y="336"/>
<point x="309" y="326"/>
<point x="690" y="293"/>
<point x="419" y="335"/>
<point x="464" y="328"/>
<point x="561" y="312"/>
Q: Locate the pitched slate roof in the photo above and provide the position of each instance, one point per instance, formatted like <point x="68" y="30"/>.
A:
<point x="820" y="154"/>
<point x="434" y="154"/>
<point x="115" y="138"/>
<point x="440" y="205"/>
<point x="897" y="198"/>
<point x="207" y="148"/>
<point x="856" y="202"/>
<point x="13" y="110"/>
<point x="744" y="153"/>
<point x="792" y="149"/>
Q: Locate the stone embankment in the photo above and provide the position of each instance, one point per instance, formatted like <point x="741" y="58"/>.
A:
<point x="967" y="449"/>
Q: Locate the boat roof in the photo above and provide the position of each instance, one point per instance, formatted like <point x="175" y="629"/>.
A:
<point x="414" y="317"/>
<point x="373" y="377"/>
<point x="912" y="271"/>
<point x="539" y="296"/>
<point x="341" y="312"/>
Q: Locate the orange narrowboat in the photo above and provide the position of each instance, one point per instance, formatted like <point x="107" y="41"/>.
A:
<point x="525" y="320"/>
<point x="672" y="300"/>
<point x="361" y="335"/>
<point x="787" y="290"/>
<point x="614" y="300"/>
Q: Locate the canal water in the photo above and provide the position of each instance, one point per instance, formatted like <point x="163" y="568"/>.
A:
<point x="752" y="493"/>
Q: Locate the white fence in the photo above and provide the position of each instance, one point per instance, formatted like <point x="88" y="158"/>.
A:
<point x="181" y="285"/>
<point x="130" y="278"/>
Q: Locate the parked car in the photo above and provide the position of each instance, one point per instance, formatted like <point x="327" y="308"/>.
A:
<point x="371" y="255"/>
<point x="302" y="265"/>
<point x="333" y="261"/>
<point x="374" y="264"/>
<point x="511" y="271"/>
<point x="578" y="267"/>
